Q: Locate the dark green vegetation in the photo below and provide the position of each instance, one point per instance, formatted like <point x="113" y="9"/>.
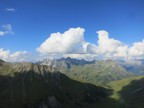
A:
<point x="129" y="92"/>
<point x="27" y="85"/>
<point x="133" y="94"/>
<point x="102" y="72"/>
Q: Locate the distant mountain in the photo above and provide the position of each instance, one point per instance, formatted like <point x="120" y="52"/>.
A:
<point x="64" y="62"/>
<point x="28" y="85"/>
<point x="96" y="72"/>
<point x="135" y="66"/>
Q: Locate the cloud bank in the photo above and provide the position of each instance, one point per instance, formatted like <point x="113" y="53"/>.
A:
<point x="14" y="57"/>
<point x="71" y="43"/>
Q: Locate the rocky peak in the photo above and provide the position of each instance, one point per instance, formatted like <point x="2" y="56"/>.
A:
<point x="64" y="62"/>
<point x="26" y="66"/>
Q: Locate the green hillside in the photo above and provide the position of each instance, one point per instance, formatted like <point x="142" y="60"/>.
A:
<point x="102" y="72"/>
<point x="129" y="92"/>
<point x="27" y="85"/>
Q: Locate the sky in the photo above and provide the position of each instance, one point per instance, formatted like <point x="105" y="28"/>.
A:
<point x="32" y="30"/>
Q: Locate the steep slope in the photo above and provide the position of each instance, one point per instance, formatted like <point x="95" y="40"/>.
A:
<point x="27" y="85"/>
<point x="129" y="92"/>
<point x="133" y="94"/>
<point x="96" y="72"/>
<point x="101" y="72"/>
<point x="64" y="63"/>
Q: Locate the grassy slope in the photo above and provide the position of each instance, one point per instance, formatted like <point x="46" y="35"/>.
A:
<point x="118" y="85"/>
<point x="125" y="91"/>
<point x="97" y="74"/>
<point x="74" y="91"/>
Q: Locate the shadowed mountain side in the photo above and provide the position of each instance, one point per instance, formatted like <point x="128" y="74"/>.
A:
<point x="132" y="95"/>
<point x="26" y="85"/>
<point x="31" y="90"/>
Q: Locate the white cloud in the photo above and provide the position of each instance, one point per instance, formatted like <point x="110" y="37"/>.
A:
<point x="136" y="51"/>
<point x="10" y="9"/>
<point x="72" y="44"/>
<point x="67" y="42"/>
<point x="14" y="57"/>
<point x="6" y="29"/>
<point x="2" y="33"/>
<point x="110" y="47"/>
<point x="89" y="48"/>
<point x="105" y="44"/>
<point x="19" y="56"/>
<point x="107" y="48"/>
<point x="4" y="54"/>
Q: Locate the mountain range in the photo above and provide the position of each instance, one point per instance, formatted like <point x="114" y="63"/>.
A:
<point x="133" y="66"/>
<point x="96" y="72"/>
<point x="28" y="85"/>
<point x="71" y="83"/>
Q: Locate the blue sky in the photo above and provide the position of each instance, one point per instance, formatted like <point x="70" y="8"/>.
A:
<point x="32" y="21"/>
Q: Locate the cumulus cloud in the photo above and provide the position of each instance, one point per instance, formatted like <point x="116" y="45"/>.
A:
<point x="14" y="57"/>
<point x="19" y="56"/>
<point x="4" y="53"/>
<point x="136" y="51"/>
<point x="6" y="29"/>
<point x="107" y="47"/>
<point x="67" y="42"/>
<point x="89" y="48"/>
<point x="10" y="9"/>
<point x="105" y="44"/>
<point x="72" y="44"/>
<point x="110" y="47"/>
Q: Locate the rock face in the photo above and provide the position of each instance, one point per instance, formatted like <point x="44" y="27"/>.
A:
<point x="28" y="85"/>
<point x="64" y="62"/>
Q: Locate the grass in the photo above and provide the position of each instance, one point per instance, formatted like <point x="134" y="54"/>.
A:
<point x="117" y="86"/>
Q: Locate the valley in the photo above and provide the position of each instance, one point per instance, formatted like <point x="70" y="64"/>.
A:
<point x="69" y="83"/>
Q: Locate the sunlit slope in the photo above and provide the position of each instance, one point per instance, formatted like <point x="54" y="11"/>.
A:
<point x="129" y="91"/>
